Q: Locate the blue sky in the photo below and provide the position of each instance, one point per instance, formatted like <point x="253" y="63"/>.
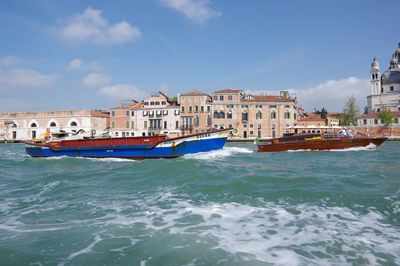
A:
<point x="57" y="55"/>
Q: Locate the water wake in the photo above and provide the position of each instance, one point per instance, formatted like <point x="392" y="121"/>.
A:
<point x="212" y="155"/>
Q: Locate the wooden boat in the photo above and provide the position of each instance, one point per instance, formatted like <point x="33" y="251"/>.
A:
<point x="318" y="142"/>
<point x="130" y="147"/>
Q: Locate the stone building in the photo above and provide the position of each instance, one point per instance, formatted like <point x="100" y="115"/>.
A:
<point x="385" y="93"/>
<point x="26" y="126"/>
<point x="195" y="112"/>
<point x="253" y="116"/>
<point x="154" y="115"/>
<point x="385" y="88"/>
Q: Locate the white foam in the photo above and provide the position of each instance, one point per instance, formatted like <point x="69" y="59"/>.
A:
<point x="108" y="159"/>
<point x="85" y="250"/>
<point x="217" y="154"/>
<point x="369" y="147"/>
<point x="271" y="232"/>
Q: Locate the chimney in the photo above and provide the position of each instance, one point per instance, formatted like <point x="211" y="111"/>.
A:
<point x="285" y="94"/>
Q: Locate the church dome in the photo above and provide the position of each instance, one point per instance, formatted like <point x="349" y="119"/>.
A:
<point x="391" y="76"/>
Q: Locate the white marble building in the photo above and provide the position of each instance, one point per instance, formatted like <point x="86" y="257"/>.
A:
<point x="385" y="88"/>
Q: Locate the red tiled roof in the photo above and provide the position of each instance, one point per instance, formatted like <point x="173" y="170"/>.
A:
<point x="227" y="91"/>
<point x="267" y="99"/>
<point x="376" y="115"/>
<point x="311" y="119"/>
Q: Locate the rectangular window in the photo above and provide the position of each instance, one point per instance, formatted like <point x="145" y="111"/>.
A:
<point x="208" y="108"/>
<point x="145" y="124"/>
<point x="196" y="109"/>
<point x="190" y="109"/>
<point x="183" y="109"/>
<point x="202" y="109"/>
<point x="165" y="124"/>
<point x="127" y="124"/>
<point x="176" y="124"/>
<point x="132" y="113"/>
<point x="215" y="98"/>
<point x="127" y="113"/>
<point x="112" y="113"/>
<point x="33" y="134"/>
<point x="132" y="124"/>
<point x="230" y="98"/>
<point x="221" y="97"/>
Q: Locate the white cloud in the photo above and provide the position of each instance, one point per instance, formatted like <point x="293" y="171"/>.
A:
<point x="75" y="64"/>
<point x="96" y="79"/>
<point x="79" y="64"/>
<point x="123" y="92"/>
<point x="196" y="10"/>
<point x="91" y="26"/>
<point x="11" y="60"/>
<point x="332" y="94"/>
<point x="25" y="79"/>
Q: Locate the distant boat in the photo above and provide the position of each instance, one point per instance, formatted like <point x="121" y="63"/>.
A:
<point x="318" y="142"/>
<point x="158" y="146"/>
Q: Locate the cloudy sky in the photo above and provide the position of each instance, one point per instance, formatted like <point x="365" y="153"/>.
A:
<point x="65" y="54"/>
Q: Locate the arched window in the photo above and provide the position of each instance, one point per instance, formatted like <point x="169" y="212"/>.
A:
<point x="73" y="124"/>
<point x="216" y="115"/>
<point x="229" y="115"/>
<point x="222" y="114"/>
<point x="273" y="115"/>
<point x="196" y="121"/>
<point x="53" y="124"/>
<point x="209" y="120"/>
<point x="33" y="124"/>
<point x="259" y="115"/>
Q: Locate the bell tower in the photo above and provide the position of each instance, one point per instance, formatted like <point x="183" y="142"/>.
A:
<point x="376" y="78"/>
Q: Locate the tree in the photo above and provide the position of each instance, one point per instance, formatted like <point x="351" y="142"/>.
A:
<point x="350" y="112"/>
<point x="386" y="117"/>
<point x="324" y="113"/>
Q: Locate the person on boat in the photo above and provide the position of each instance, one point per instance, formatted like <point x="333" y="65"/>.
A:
<point x="47" y="134"/>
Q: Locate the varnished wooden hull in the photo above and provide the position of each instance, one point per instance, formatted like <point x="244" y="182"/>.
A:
<point x="321" y="144"/>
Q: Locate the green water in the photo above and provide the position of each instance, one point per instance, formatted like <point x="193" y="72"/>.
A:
<point x="230" y="207"/>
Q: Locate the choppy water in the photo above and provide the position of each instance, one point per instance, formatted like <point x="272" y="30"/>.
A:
<point x="229" y="207"/>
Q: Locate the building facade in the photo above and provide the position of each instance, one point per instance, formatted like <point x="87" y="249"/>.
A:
<point x="154" y="115"/>
<point x="385" y="88"/>
<point x="32" y="125"/>
<point x="195" y="112"/>
<point x="253" y="116"/>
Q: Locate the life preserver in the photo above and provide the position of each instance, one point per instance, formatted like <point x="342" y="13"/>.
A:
<point x="235" y="131"/>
